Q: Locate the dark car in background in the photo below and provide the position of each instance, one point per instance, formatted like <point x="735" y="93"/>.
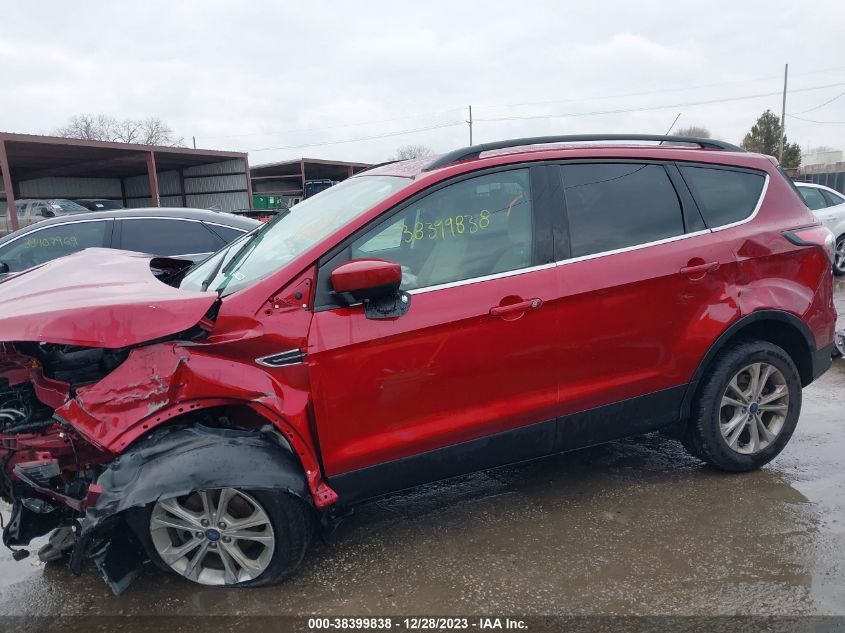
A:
<point x="99" y="204"/>
<point x="31" y="211"/>
<point x="174" y="232"/>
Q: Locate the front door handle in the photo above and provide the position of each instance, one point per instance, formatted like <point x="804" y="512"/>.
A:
<point x="699" y="270"/>
<point x="513" y="308"/>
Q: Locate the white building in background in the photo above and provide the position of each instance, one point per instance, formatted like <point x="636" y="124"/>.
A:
<point x="829" y="157"/>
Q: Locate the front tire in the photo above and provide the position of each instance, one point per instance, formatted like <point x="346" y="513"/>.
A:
<point x="746" y="408"/>
<point x="227" y="537"/>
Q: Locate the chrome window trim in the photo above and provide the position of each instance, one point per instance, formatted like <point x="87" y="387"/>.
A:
<point x="225" y="226"/>
<point x="158" y="217"/>
<point x="473" y="280"/>
<point x="753" y="215"/>
<point x="635" y="247"/>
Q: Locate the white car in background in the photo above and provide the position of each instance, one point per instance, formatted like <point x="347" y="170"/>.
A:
<point x="828" y="205"/>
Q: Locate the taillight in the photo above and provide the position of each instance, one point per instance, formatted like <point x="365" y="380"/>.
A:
<point x="820" y="236"/>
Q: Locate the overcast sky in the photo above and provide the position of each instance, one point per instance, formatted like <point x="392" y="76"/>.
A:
<point x="264" y="76"/>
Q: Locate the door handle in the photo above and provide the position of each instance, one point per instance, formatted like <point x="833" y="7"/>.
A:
<point x="522" y="306"/>
<point x="699" y="270"/>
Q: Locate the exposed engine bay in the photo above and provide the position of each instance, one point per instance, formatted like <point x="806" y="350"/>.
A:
<point x="47" y="468"/>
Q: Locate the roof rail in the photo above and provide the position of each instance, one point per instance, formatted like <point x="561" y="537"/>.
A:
<point x="474" y="151"/>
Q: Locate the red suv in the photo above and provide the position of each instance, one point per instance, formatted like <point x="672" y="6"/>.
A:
<point x="420" y="320"/>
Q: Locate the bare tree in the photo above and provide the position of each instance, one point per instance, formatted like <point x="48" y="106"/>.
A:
<point x="698" y="131"/>
<point x="405" y="152"/>
<point x="102" y="127"/>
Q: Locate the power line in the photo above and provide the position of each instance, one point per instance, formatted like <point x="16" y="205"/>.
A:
<point x="661" y="91"/>
<point x="814" y="121"/>
<point x="355" y="140"/>
<point x="342" y="125"/>
<point x="821" y="105"/>
<point x="514" y="105"/>
<point x="649" y="108"/>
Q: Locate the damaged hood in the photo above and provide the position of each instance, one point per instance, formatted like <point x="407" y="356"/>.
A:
<point x="98" y="297"/>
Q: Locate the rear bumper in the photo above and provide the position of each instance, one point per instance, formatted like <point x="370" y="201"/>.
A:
<point x="822" y="359"/>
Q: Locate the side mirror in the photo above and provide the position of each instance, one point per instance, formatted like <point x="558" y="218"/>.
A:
<point x="367" y="278"/>
<point x="46" y="213"/>
<point x="4" y="268"/>
<point x="374" y="282"/>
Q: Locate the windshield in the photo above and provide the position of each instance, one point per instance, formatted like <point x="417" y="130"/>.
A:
<point x="66" y="206"/>
<point x="287" y="236"/>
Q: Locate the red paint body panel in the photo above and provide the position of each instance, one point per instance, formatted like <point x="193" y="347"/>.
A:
<point x="97" y="297"/>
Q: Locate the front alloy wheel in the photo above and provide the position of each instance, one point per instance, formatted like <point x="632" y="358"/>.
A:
<point x="754" y="407"/>
<point x="213" y="537"/>
<point x="839" y="256"/>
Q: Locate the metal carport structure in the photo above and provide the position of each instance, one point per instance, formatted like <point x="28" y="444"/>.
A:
<point x="35" y="166"/>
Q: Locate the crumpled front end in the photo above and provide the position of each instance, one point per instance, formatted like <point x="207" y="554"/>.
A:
<point x="46" y="466"/>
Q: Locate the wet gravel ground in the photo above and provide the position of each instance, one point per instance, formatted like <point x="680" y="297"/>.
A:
<point x="632" y="527"/>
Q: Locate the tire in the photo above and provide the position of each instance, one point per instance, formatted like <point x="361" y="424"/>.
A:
<point x="285" y="528"/>
<point x="839" y="257"/>
<point x="720" y="432"/>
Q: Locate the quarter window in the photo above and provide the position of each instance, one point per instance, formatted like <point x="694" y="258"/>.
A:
<point x="724" y="196"/>
<point x="832" y="198"/>
<point x="168" y="237"/>
<point x="40" y="246"/>
<point x="473" y="228"/>
<point x="227" y="233"/>
<point x="616" y="205"/>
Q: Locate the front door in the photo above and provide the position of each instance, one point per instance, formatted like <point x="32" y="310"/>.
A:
<point x="471" y="359"/>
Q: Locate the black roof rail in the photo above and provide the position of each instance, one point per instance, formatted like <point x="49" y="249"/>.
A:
<point x="474" y="151"/>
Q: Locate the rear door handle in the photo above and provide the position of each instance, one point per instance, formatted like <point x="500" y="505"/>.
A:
<point x="699" y="270"/>
<point x="522" y="306"/>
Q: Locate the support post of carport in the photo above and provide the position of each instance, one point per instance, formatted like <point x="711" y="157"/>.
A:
<point x="248" y="184"/>
<point x="8" y="189"/>
<point x="153" y="176"/>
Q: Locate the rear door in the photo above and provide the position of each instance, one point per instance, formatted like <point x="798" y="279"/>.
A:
<point x="405" y="400"/>
<point x="641" y="279"/>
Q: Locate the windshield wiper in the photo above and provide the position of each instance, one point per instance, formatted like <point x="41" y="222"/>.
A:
<point x="210" y="277"/>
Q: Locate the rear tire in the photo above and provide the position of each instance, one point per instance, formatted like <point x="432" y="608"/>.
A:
<point x="739" y="423"/>
<point x="268" y="547"/>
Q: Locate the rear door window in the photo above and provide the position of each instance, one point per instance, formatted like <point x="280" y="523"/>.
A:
<point x="162" y="236"/>
<point x="813" y="198"/>
<point x="611" y="206"/>
<point x="724" y="196"/>
<point x="42" y="245"/>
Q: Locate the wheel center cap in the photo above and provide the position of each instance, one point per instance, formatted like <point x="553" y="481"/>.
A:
<point x="754" y="408"/>
<point x="212" y="535"/>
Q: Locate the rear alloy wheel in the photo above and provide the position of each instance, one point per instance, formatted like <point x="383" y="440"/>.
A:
<point x="228" y="536"/>
<point x="754" y="407"/>
<point x="839" y="256"/>
<point x="746" y="408"/>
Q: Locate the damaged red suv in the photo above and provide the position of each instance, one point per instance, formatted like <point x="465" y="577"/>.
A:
<point x="420" y="320"/>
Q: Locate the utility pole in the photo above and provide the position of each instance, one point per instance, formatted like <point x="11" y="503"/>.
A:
<point x="783" y="115"/>
<point x="195" y="141"/>
<point x="469" y="122"/>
